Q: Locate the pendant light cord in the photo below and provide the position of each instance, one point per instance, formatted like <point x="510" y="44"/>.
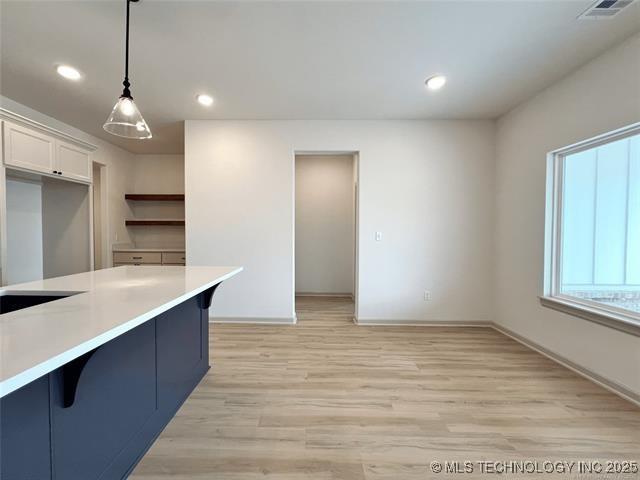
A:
<point x="126" y="92"/>
<point x="126" y="54"/>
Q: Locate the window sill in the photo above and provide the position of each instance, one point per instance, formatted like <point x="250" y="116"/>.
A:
<point x="625" y="323"/>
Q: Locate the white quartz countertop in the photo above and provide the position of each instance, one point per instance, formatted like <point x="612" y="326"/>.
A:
<point x="37" y="340"/>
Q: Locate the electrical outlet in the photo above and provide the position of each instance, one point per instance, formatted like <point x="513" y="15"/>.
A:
<point x="378" y="236"/>
<point x="427" y="296"/>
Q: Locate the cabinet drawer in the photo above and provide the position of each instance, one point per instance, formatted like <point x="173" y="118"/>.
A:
<point x="134" y="264"/>
<point x="174" y="258"/>
<point x="137" y="257"/>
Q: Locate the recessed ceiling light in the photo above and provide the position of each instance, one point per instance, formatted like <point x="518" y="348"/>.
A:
<point x="436" y="82"/>
<point x="205" y="100"/>
<point x="68" y="72"/>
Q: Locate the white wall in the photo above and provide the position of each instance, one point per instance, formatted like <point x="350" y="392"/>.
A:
<point x="427" y="185"/>
<point x="324" y="239"/>
<point x="24" y="231"/>
<point x="157" y="174"/>
<point x="118" y="171"/>
<point x="65" y="228"/>
<point x="602" y="96"/>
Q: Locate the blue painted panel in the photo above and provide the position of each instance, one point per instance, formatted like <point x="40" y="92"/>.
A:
<point x="633" y="236"/>
<point x="578" y="218"/>
<point x="24" y="433"/>
<point x="123" y="401"/>
<point x="179" y="345"/>
<point x="611" y="213"/>
<point x="116" y="396"/>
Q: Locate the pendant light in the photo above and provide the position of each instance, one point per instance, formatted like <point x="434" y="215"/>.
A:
<point x="125" y="119"/>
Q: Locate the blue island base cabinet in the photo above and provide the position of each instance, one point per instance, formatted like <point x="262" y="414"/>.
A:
<point x="95" y="417"/>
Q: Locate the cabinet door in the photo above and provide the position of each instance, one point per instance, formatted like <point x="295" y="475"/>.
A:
<point x="28" y="149"/>
<point x="73" y="162"/>
<point x="180" y="356"/>
<point x="25" y="447"/>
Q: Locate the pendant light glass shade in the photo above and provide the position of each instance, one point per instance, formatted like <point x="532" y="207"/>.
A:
<point x="126" y="120"/>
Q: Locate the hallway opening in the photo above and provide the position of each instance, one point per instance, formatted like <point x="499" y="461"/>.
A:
<point x="326" y="207"/>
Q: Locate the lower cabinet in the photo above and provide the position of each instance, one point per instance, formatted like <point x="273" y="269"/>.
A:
<point x="115" y="397"/>
<point x="95" y="417"/>
<point x="148" y="258"/>
<point x="181" y="345"/>
<point x="25" y="449"/>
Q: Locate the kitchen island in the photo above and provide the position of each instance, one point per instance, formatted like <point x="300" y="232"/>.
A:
<point x="94" y="365"/>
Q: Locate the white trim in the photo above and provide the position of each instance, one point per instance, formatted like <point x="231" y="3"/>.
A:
<point x="92" y="263"/>
<point x="24" y="121"/>
<point x="3" y="225"/>
<point x="610" y="317"/>
<point x="419" y="322"/>
<point x="598" y="140"/>
<point x="255" y="320"/>
<point x="356" y="271"/>
<point x="551" y="296"/>
<point x="613" y="387"/>
<point x="355" y="153"/>
<point x="609" y="385"/>
<point x="105" y="257"/>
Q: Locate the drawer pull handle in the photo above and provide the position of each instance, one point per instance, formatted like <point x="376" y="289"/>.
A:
<point x="137" y="258"/>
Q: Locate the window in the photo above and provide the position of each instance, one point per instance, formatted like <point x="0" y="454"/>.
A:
<point x="593" y="229"/>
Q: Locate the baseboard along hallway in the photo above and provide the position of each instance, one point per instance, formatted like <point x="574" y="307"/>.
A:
<point x="327" y="399"/>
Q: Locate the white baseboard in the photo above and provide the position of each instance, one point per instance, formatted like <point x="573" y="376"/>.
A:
<point x="256" y="320"/>
<point x="420" y="323"/>
<point x="613" y="387"/>
<point x="609" y="385"/>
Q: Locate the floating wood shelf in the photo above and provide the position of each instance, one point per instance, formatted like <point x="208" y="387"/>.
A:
<point x="155" y="197"/>
<point x="141" y="223"/>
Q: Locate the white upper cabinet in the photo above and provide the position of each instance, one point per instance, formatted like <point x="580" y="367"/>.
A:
<point x="73" y="162"/>
<point x="30" y="149"/>
<point x="26" y="148"/>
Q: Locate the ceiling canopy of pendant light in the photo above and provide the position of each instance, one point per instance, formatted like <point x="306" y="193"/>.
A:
<point x="125" y="119"/>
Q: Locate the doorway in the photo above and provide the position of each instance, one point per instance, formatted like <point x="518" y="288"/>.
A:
<point x="326" y="219"/>
<point x="99" y="217"/>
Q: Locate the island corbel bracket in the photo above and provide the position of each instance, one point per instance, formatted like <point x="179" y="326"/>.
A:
<point x="71" y="373"/>
<point x="204" y="298"/>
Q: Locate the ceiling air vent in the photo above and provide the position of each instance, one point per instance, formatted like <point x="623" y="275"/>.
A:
<point x="605" y="9"/>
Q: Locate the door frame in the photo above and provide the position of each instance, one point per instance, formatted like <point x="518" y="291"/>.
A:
<point x="104" y="216"/>
<point x="3" y="225"/>
<point x="355" y="154"/>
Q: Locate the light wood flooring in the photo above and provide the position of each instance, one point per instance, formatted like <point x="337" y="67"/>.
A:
<point x="326" y="399"/>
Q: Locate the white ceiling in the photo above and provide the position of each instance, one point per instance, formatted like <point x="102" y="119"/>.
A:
<point x="293" y="60"/>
